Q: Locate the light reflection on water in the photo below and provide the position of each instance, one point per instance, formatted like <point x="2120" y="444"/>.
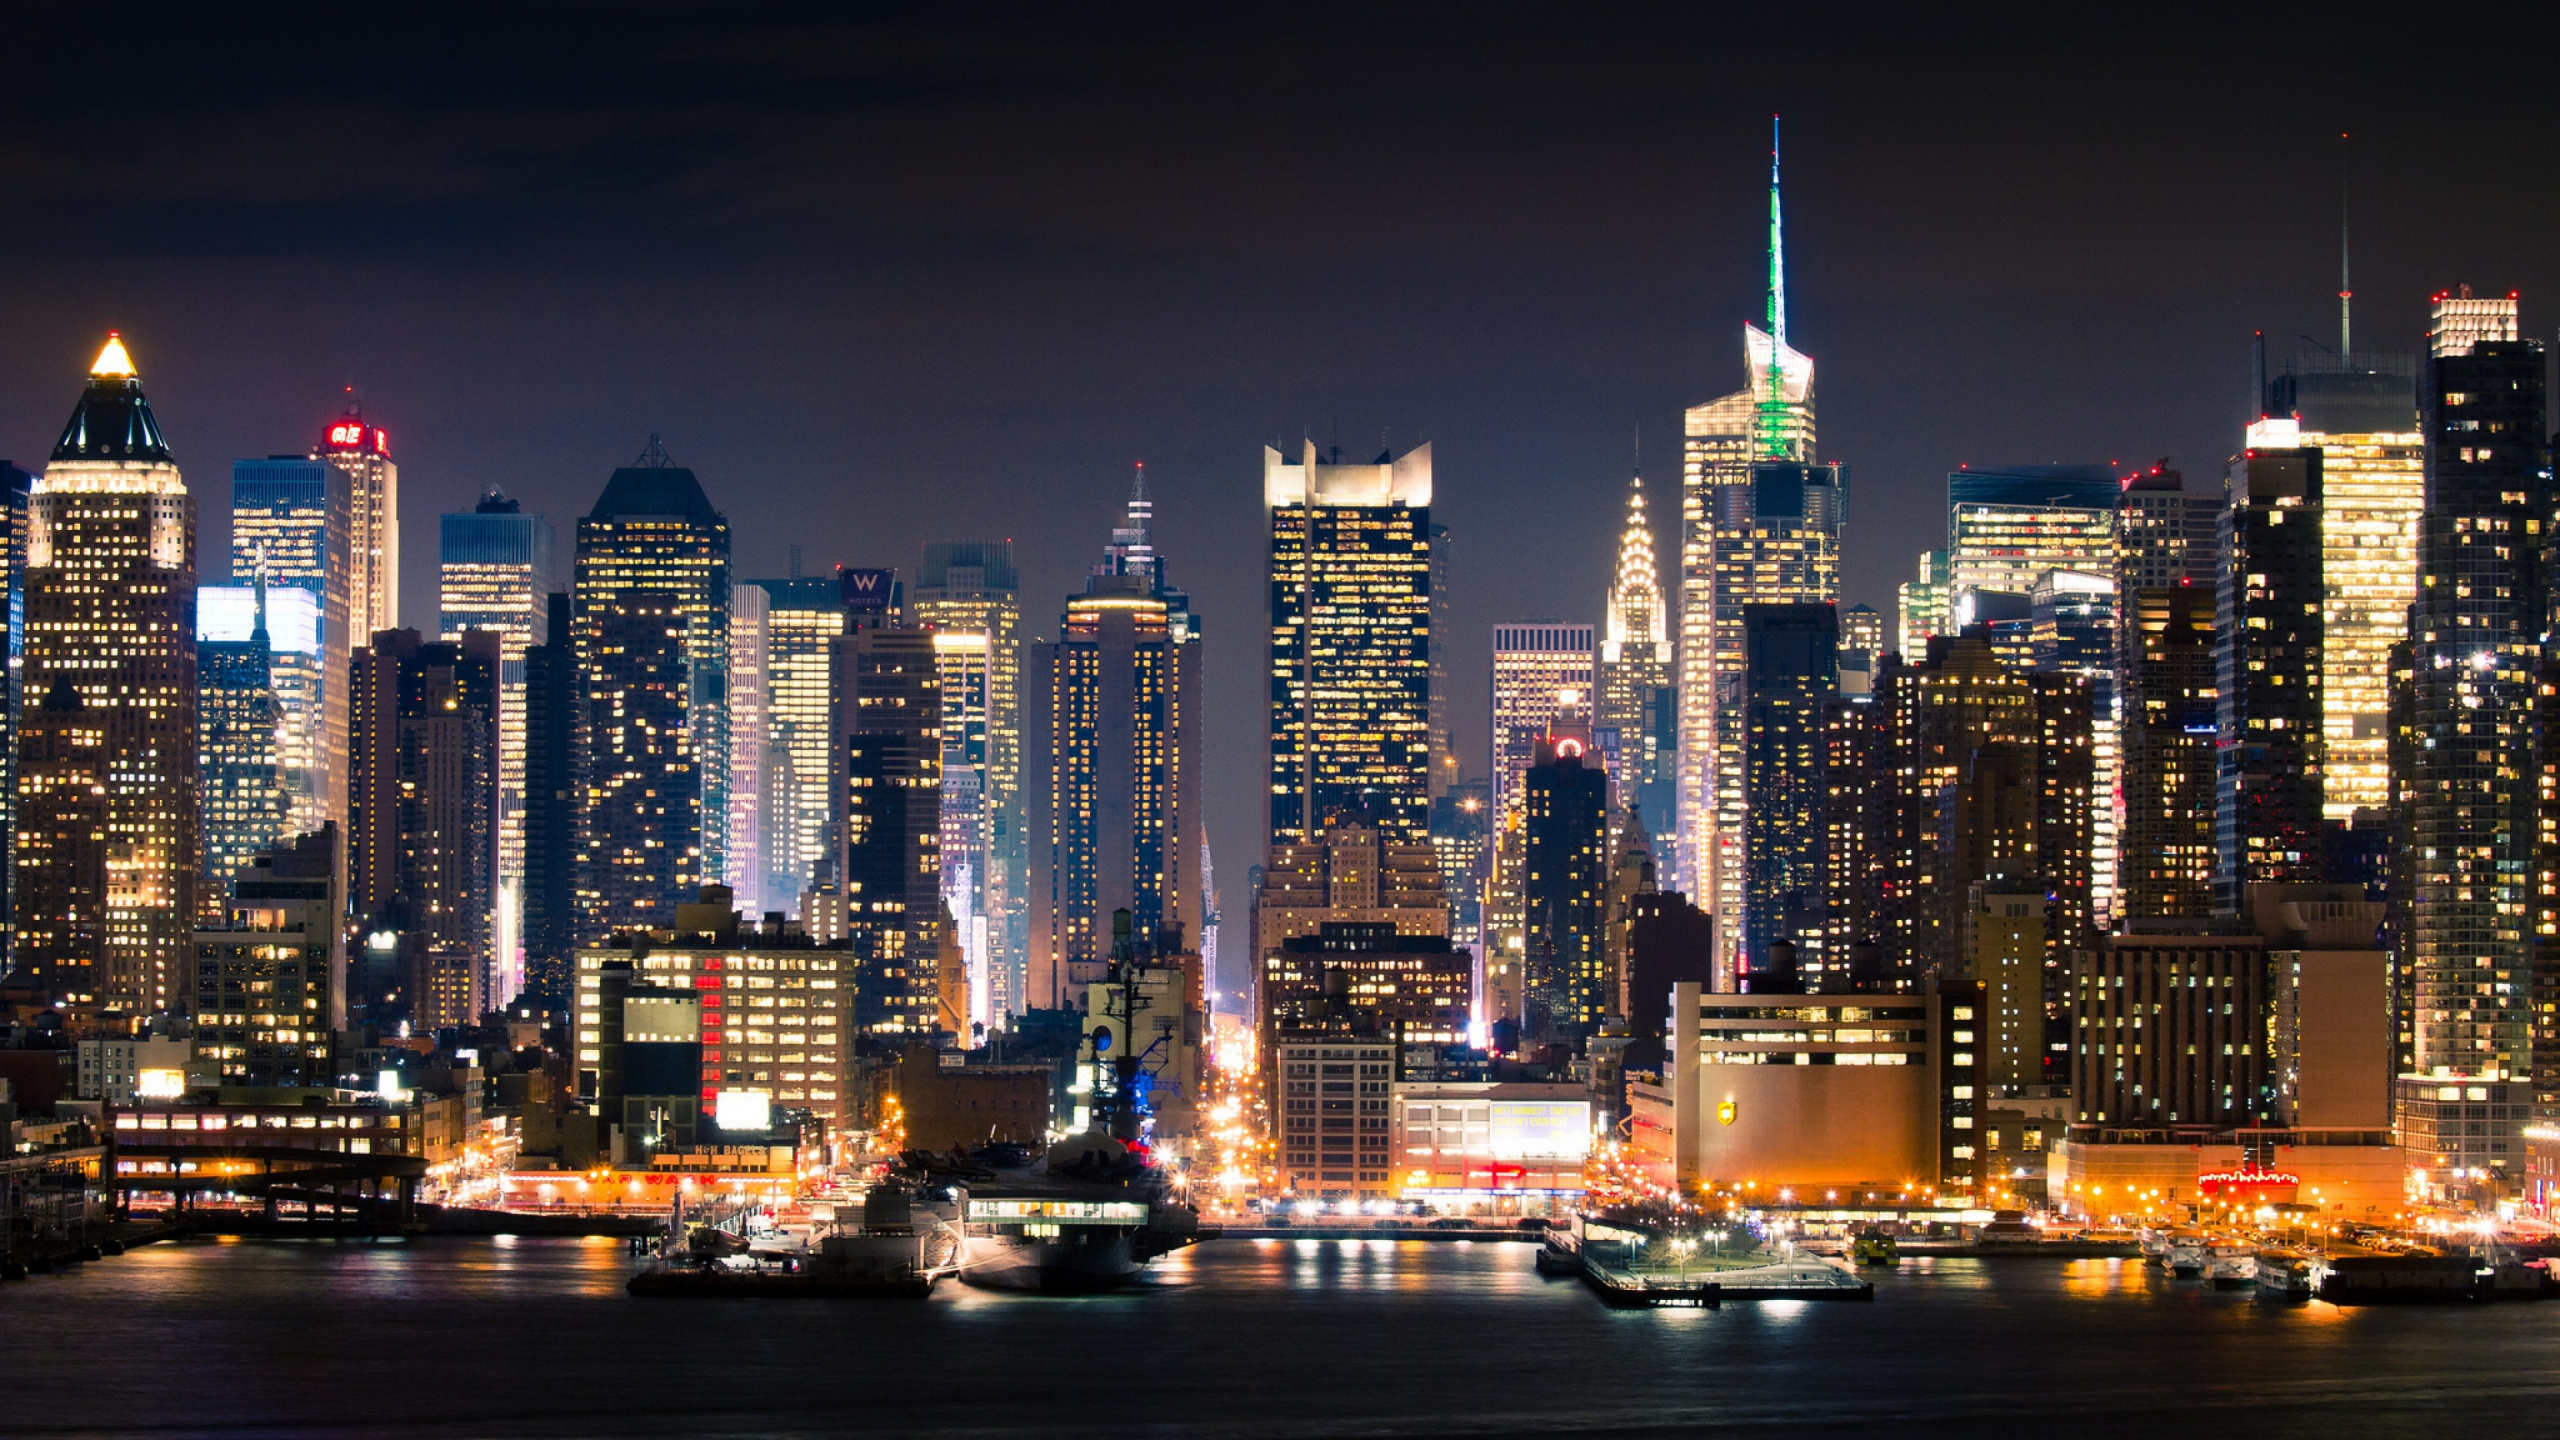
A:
<point x="1253" y="1338"/>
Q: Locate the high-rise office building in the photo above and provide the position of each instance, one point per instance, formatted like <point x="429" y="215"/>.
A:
<point x="1790" y="676"/>
<point x="750" y="698"/>
<point x="110" y="602"/>
<point x="1923" y="606"/>
<point x="968" y="594"/>
<point x="236" y="722"/>
<point x="2361" y="413"/>
<point x="888" y="771"/>
<point x="1115" y="767"/>
<point x="1538" y="668"/>
<point x="497" y="570"/>
<point x="1860" y="798"/>
<point x="1863" y="643"/>
<point x="1636" y="696"/>
<point x="1564" y="826"/>
<point x="2074" y="615"/>
<point x="2476" y="634"/>
<point x="650" y="627"/>
<point x="15" y="486"/>
<point x="363" y="451"/>
<point x="554" y="715"/>
<point x="292" y="529"/>
<point x="1770" y="420"/>
<point x="1351" y="641"/>
<point x="2166" y="534"/>
<point x="1777" y="542"/>
<point x="1445" y="769"/>
<point x="1461" y="840"/>
<point x="2007" y="527"/>
<point x="2267" y="676"/>
<point x="60" y="927"/>
<point x="422" y="802"/>
<point x="2168" y="685"/>
<point x="804" y="617"/>
<point x="270" y="983"/>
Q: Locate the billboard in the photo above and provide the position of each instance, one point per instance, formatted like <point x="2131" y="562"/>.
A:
<point x="868" y="590"/>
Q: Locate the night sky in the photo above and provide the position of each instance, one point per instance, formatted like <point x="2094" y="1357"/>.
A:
<point x="926" y="276"/>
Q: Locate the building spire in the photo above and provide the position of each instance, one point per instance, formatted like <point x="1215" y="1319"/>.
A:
<point x="1772" y="407"/>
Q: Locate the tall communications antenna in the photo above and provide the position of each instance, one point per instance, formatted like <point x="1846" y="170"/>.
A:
<point x="2346" y="291"/>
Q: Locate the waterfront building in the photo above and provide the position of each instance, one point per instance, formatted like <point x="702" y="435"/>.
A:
<point x="2476" y="636"/>
<point x="1799" y="1091"/>
<point x="2169" y="847"/>
<point x="1361" y="983"/>
<point x="2329" y="1058"/>
<point x="2267" y="673"/>
<point x="292" y="530"/>
<point x="496" y="570"/>
<point x="1343" y="1147"/>
<point x="236" y="724"/>
<point x="270" y="986"/>
<point x="1351" y="643"/>
<point x="422" y="807"/>
<point x="970" y="596"/>
<point x="1115" y="770"/>
<point x="650" y="629"/>
<point x="1564" y="825"/>
<point x="888" y="749"/>
<point x="2006" y="958"/>
<point x="775" y="1007"/>
<point x="1791" y="674"/>
<point x="2169" y="1027"/>
<point x="110" y="600"/>
<point x="1636" y="697"/>
<point x="804" y="617"/>
<point x="553" y="712"/>
<point x="1464" y="1144"/>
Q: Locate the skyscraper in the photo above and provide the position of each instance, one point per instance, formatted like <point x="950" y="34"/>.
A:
<point x="2476" y="633"/>
<point x="270" y="982"/>
<point x="1350" y="640"/>
<point x="803" y="619"/>
<point x="2169" y="849"/>
<point x="1116" y="763"/>
<point x="423" y="801"/>
<point x="1538" y="668"/>
<point x="650" y="626"/>
<point x="15" y="485"/>
<point x="60" y="928"/>
<point x="888" y="771"/>
<point x="2166" y="534"/>
<point x="750" y="740"/>
<point x="1777" y="542"/>
<point x="236" y="721"/>
<point x="554" y="715"/>
<point x="110" y="608"/>
<point x="1770" y="420"/>
<point x="2074" y="615"/>
<point x="2267" y="676"/>
<point x="497" y="568"/>
<point x="1564" y="822"/>
<point x="292" y="528"/>
<point x="363" y="451"/>
<point x="1923" y="606"/>
<point x="2361" y="413"/>
<point x="1791" y="675"/>
<point x="1636" y="698"/>
<point x="969" y="596"/>
<point x="2007" y="527"/>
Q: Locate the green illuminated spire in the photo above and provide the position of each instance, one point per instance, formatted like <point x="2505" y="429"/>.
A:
<point x="1773" y="406"/>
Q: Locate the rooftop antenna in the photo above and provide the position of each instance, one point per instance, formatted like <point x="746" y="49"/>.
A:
<point x="795" y="562"/>
<point x="654" y="457"/>
<point x="2346" y="292"/>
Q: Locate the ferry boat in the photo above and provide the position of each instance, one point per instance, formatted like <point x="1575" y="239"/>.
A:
<point x="2186" y="1257"/>
<point x="1874" y="1247"/>
<point x="2231" y="1267"/>
<point x="2155" y="1245"/>
<point x="2285" y="1276"/>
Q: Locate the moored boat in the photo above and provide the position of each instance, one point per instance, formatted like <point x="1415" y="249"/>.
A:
<point x="2284" y="1275"/>
<point x="2231" y="1267"/>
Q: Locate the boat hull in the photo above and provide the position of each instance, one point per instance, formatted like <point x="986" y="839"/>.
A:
<point x="1064" y="1265"/>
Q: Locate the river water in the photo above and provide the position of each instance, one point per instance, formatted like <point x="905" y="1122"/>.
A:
<point x="1235" y="1338"/>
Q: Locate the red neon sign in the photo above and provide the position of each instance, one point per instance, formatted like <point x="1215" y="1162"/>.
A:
<point x="2219" y="1181"/>
<point x="357" y="435"/>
